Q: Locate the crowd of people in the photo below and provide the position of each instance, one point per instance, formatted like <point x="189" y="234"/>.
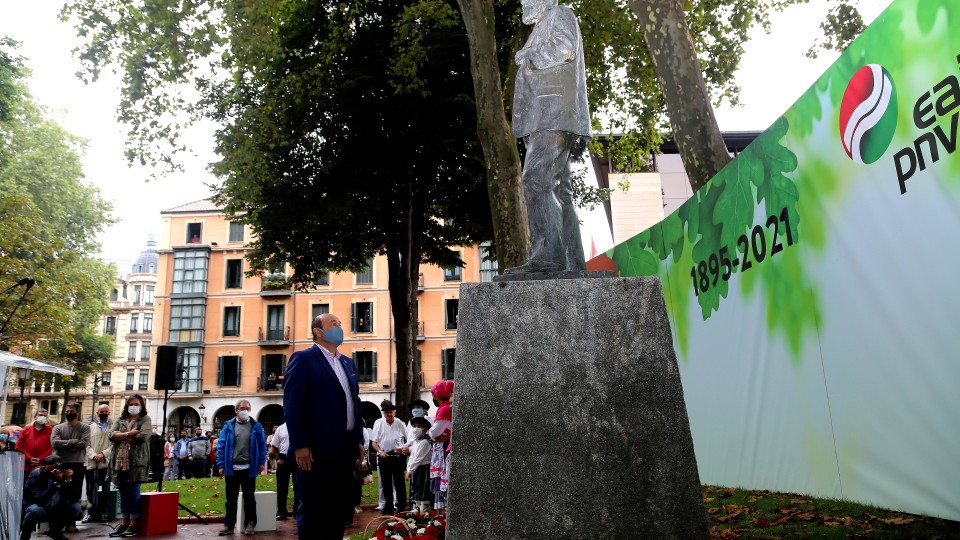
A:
<point x="326" y="457"/>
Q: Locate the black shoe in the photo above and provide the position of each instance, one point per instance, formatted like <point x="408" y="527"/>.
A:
<point x="131" y="531"/>
<point x="118" y="531"/>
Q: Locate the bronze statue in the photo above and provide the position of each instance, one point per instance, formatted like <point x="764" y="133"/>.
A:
<point x="551" y="115"/>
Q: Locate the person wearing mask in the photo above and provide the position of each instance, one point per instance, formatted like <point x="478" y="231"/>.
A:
<point x="286" y="468"/>
<point x="388" y="438"/>
<point x="34" y="441"/>
<point x="241" y="457"/>
<point x="199" y="450"/>
<point x="130" y="461"/>
<point x="46" y="497"/>
<point x="321" y="404"/>
<point x="183" y="457"/>
<point x="6" y="443"/>
<point x="418" y="464"/>
<point x="170" y="460"/>
<point x="440" y="433"/>
<point x="212" y="458"/>
<point x="98" y="461"/>
<point x="70" y="441"/>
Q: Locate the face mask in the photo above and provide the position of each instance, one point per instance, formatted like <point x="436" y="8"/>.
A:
<point x="333" y="335"/>
<point x="41" y="420"/>
<point x="133" y="410"/>
<point x="71" y="416"/>
<point x="418" y="412"/>
<point x="103" y="417"/>
<point x="172" y="439"/>
<point x="436" y="402"/>
<point x="417" y="432"/>
<point x="199" y="435"/>
<point x="4" y="437"/>
<point x="243" y="415"/>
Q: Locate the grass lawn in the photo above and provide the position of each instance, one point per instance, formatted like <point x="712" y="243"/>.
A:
<point x="732" y="513"/>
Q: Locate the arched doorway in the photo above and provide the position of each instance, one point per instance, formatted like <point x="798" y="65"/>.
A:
<point x="370" y="413"/>
<point x="183" y="418"/>
<point x="270" y="416"/>
<point x="222" y="415"/>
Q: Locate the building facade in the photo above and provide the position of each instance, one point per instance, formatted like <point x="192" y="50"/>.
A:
<point x="236" y="332"/>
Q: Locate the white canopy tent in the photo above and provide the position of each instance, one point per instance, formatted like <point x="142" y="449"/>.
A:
<point x="12" y="362"/>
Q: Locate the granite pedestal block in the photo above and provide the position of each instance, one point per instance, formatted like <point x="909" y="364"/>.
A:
<point x="568" y="413"/>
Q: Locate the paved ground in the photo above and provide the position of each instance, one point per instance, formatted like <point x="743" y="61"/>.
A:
<point x="285" y="529"/>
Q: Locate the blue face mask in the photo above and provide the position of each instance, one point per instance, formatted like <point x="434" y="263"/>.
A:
<point x="418" y="412"/>
<point x="333" y="335"/>
<point x="3" y="437"/>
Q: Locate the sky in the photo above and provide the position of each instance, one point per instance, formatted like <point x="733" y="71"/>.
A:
<point x="773" y="74"/>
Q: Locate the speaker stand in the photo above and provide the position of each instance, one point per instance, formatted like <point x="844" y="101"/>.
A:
<point x="166" y="396"/>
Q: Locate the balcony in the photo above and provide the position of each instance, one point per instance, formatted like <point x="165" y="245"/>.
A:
<point x="275" y="285"/>
<point x="273" y="337"/>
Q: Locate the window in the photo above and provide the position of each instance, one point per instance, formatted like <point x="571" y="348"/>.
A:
<point x="234" y="274"/>
<point x="52" y="406"/>
<point x="134" y="319"/>
<point x="451" y="308"/>
<point x="105" y="378"/>
<point x="449" y="357"/>
<point x="148" y="294"/>
<point x="271" y="371"/>
<point x="192" y="366"/>
<point x="190" y="272"/>
<point x="111" y="326"/>
<point x="488" y="268"/>
<point x="132" y="352"/>
<point x="366" y="366"/>
<point x="147" y="323"/>
<point x="144" y="379"/>
<point x="186" y="319"/>
<point x="451" y="274"/>
<point x="321" y="278"/>
<point x="194" y="231"/>
<point x="136" y="295"/>
<point x="19" y="413"/>
<point x="37" y="386"/>
<point x="145" y="351"/>
<point x="228" y="371"/>
<point x="231" y="322"/>
<point x="129" y="385"/>
<point x="365" y="277"/>
<point x="274" y="323"/>
<point x="317" y="310"/>
<point x="361" y="317"/>
<point x="114" y="295"/>
<point x="236" y="231"/>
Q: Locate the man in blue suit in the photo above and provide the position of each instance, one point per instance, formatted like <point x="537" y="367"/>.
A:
<point x="321" y="405"/>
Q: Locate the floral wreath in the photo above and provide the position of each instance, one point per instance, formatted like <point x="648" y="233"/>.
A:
<point x="430" y="525"/>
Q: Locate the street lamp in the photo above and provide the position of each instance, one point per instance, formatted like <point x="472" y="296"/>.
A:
<point x="203" y="415"/>
<point x="23" y="375"/>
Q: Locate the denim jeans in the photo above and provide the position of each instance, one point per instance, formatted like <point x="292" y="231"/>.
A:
<point x="129" y="499"/>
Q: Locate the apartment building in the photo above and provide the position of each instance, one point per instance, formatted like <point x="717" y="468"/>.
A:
<point x="237" y="332"/>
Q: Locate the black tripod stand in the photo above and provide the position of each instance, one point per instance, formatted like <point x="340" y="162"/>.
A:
<point x="166" y="396"/>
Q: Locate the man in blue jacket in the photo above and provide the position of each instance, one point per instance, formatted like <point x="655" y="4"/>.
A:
<point x="241" y="457"/>
<point x="321" y="405"/>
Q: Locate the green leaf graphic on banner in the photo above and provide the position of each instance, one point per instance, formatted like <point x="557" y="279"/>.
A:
<point x="927" y="15"/>
<point x="632" y="257"/>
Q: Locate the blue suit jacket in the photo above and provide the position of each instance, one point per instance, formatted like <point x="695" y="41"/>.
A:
<point x="314" y="406"/>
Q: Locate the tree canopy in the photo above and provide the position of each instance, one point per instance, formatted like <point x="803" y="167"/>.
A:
<point x="49" y="221"/>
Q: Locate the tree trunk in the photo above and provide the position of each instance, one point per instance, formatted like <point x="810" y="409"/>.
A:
<point x="695" y="127"/>
<point x="507" y="205"/>
<point x="403" y="264"/>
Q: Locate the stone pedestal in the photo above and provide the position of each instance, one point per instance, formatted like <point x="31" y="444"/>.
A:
<point x="569" y="419"/>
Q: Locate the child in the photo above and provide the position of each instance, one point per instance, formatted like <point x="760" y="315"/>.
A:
<point x="418" y="464"/>
<point x="440" y="432"/>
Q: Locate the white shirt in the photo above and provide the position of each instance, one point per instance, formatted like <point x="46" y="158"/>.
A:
<point x="342" y="377"/>
<point x="281" y="439"/>
<point x="420" y="453"/>
<point x="389" y="436"/>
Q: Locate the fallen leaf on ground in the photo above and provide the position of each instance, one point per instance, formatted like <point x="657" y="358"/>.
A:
<point x="896" y="520"/>
<point x="727" y="493"/>
<point x="800" y="501"/>
<point x="708" y="499"/>
<point x="713" y="510"/>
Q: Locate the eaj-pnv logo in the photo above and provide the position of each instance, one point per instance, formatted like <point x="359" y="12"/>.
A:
<point x="868" y="114"/>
